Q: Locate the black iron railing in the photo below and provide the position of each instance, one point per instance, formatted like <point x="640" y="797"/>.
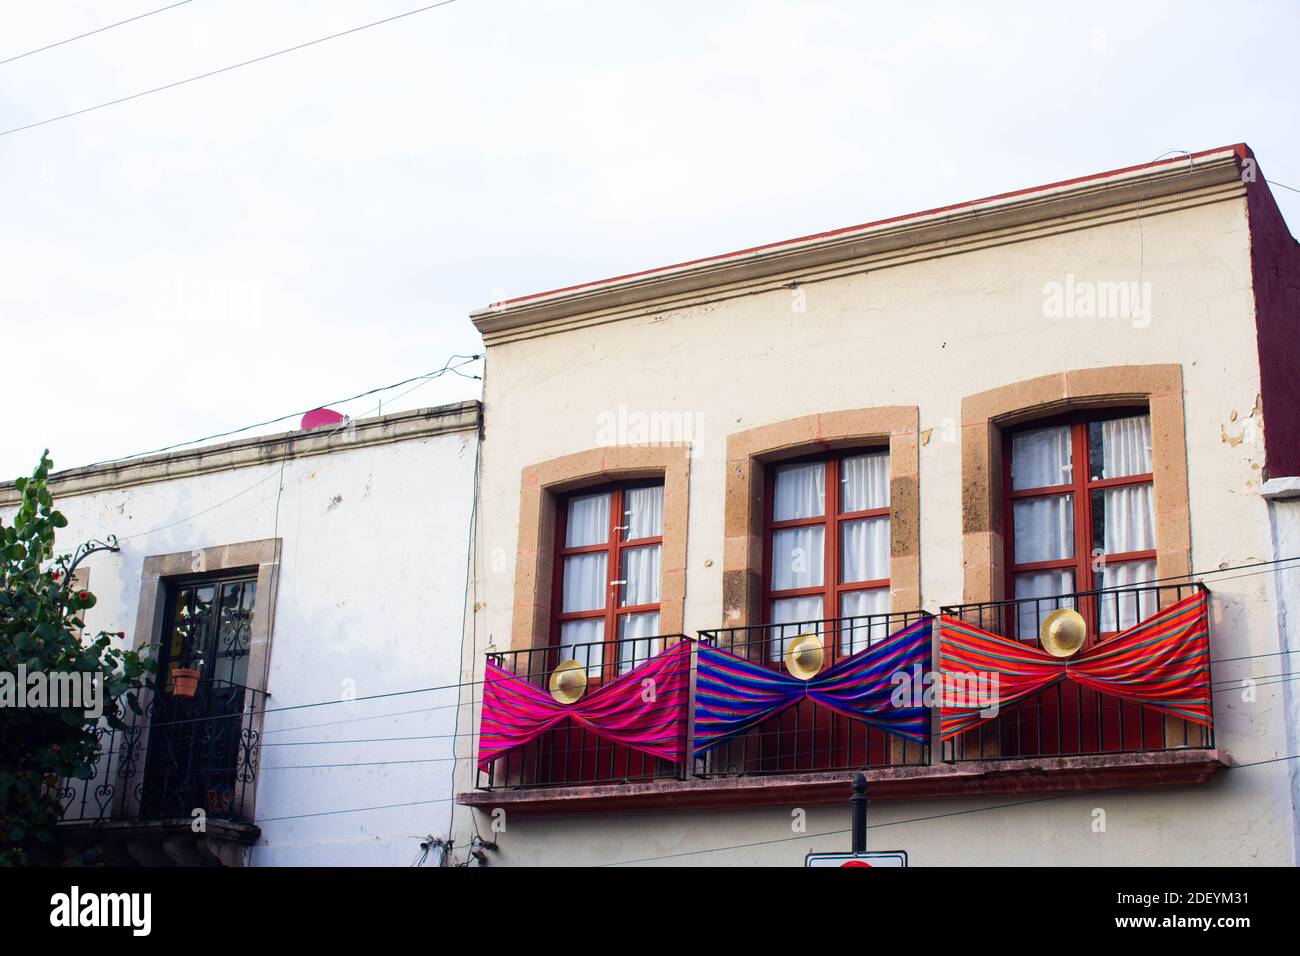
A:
<point x="175" y="756"/>
<point x="806" y="737"/>
<point x="1067" y="719"/>
<point x="569" y="754"/>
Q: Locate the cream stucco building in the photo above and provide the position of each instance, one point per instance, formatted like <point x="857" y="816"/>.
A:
<point x="1161" y="301"/>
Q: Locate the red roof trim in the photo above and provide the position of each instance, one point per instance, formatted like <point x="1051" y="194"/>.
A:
<point x="1240" y="149"/>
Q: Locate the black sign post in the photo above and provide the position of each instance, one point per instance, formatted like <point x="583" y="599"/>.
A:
<point x="859" y="803"/>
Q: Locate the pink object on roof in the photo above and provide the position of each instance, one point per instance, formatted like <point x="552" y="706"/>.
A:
<point x="320" y="416"/>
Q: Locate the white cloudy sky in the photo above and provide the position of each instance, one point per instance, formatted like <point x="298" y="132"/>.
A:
<point x="309" y="227"/>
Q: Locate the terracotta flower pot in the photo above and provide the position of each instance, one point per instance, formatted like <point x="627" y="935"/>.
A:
<point x="185" y="682"/>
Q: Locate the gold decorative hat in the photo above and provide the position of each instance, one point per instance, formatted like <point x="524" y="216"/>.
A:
<point x="568" y="682"/>
<point x="804" y="656"/>
<point x="1063" y="632"/>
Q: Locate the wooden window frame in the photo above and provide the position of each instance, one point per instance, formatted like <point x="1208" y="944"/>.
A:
<point x="830" y="520"/>
<point x="613" y="548"/>
<point x="173" y="586"/>
<point x="1081" y="486"/>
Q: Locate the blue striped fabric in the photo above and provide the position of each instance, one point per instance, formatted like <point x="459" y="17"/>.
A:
<point x="733" y="695"/>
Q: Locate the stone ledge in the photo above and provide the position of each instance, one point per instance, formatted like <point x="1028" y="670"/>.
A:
<point x="964" y="779"/>
<point x="260" y="450"/>
<point x="166" y="842"/>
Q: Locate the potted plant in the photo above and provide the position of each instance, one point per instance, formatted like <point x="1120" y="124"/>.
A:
<point x="187" y="644"/>
<point x="185" y="681"/>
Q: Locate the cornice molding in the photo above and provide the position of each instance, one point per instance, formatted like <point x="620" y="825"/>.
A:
<point x="1118" y="197"/>
<point x="262" y="450"/>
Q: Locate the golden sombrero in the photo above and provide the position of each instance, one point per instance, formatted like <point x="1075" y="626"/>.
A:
<point x="1063" y="632"/>
<point x="568" y="682"/>
<point x="804" y="656"/>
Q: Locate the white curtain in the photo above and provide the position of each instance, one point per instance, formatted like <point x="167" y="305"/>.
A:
<point x="1044" y="528"/>
<point x="793" y="611"/>
<point x="798" y="558"/>
<point x="1130" y="519"/>
<point x="799" y="491"/>
<point x="639" y="634"/>
<point x="588" y="521"/>
<point x="1121" y="610"/>
<point x="590" y="633"/>
<point x="643" y="513"/>
<point x="864" y="482"/>
<point x="856" y="635"/>
<point x="1126" y="446"/>
<point x="1041" y="458"/>
<point x="1040" y="584"/>
<point x="864" y="550"/>
<point x="584" y="582"/>
<point x="640" y="576"/>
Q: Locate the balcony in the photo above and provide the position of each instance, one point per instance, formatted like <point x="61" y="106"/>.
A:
<point x="177" y="761"/>
<point x="808" y="738"/>
<point x="1064" y="737"/>
<point x="1067" y="719"/>
<point x="569" y="754"/>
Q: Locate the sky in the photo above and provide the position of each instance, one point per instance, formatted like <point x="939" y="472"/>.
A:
<point x="322" y="223"/>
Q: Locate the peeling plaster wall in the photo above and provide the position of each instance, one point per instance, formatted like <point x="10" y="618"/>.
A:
<point x="370" y="601"/>
<point x="928" y="333"/>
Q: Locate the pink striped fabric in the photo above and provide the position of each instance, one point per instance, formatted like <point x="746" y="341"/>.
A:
<point x="515" y="712"/>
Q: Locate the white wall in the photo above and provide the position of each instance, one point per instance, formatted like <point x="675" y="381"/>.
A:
<point x="370" y="599"/>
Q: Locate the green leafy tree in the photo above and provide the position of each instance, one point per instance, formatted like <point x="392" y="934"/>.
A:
<point x="40" y="625"/>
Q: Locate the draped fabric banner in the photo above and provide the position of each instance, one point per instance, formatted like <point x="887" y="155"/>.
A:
<point x="732" y="694"/>
<point x="622" y="711"/>
<point x="1162" y="662"/>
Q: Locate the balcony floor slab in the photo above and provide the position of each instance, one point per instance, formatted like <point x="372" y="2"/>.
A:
<point x="1182" y="767"/>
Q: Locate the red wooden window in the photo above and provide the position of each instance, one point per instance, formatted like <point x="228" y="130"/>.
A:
<point x="827" y="548"/>
<point x="1080" y="515"/>
<point x="607" y="576"/>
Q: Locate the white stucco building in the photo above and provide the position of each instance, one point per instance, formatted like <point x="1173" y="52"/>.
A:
<point x="318" y="571"/>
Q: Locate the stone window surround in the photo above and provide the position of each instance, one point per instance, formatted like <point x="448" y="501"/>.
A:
<point x="543" y="483"/>
<point x="264" y="556"/>
<point x="986" y="414"/>
<point x="750" y="451"/>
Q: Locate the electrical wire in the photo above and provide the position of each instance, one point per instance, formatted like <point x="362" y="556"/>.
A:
<point x="1062" y="709"/>
<point x="224" y="69"/>
<point x="323" y="435"/>
<point x="447" y="367"/>
<point x="924" y="819"/>
<point x="89" y="33"/>
<point x="330" y="813"/>
<point x="466" y="608"/>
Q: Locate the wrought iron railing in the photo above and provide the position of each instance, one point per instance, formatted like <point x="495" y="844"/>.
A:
<point x="570" y="754"/>
<point x="174" y="756"/>
<point x="807" y="738"/>
<point x="1068" y="719"/>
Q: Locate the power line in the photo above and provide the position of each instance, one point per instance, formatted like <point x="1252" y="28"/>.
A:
<point x="330" y="813"/>
<point x="271" y="421"/>
<point x="88" y="33"/>
<point x="460" y="684"/>
<point x="924" y="819"/>
<point x="225" y="69"/>
<point x="1062" y="709"/>
<point x="323" y="434"/>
